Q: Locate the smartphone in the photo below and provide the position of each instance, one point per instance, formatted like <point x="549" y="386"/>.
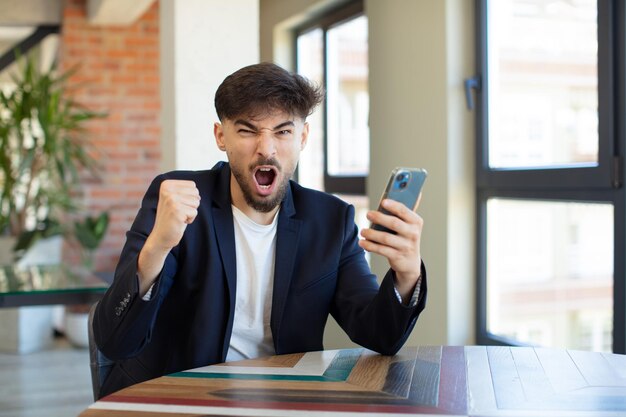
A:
<point x="405" y="186"/>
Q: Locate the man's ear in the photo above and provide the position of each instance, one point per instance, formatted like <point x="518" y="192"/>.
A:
<point x="305" y="135"/>
<point x="218" y="132"/>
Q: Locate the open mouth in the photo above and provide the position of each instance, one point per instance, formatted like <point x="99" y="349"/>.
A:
<point x="265" y="177"/>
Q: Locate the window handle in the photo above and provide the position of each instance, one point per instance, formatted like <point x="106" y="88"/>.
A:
<point x="471" y="84"/>
<point x="617" y="172"/>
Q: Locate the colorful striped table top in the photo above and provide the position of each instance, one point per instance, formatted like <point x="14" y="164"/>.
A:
<point x="427" y="380"/>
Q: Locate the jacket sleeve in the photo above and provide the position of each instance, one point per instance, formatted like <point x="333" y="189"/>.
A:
<point x="370" y="314"/>
<point x="123" y="321"/>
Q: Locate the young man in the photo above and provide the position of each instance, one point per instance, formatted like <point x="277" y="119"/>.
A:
<point x="239" y="261"/>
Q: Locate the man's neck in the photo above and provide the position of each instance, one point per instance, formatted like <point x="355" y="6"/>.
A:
<point x="257" y="216"/>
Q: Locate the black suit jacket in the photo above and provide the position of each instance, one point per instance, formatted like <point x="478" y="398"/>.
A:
<point x="187" y="323"/>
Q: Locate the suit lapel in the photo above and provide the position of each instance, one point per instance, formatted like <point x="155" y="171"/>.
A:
<point x="225" y="235"/>
<point x="287" y="237"/>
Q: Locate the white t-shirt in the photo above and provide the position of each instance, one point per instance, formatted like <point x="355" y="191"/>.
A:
<point x="255" y="250"/>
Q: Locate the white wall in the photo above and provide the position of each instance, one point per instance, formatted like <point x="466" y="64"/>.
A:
<point x="461" y="210"/>
<point x="420" y="52"/>
<point x="202" y="41"/>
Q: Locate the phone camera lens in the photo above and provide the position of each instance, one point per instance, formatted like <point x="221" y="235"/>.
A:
<point x="402" y="176"/>
<point x="402" y="180"/>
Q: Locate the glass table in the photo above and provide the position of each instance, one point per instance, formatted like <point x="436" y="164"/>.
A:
<point x="48" y="285"/>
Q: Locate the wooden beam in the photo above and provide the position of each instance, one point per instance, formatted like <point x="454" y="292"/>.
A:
<point x="30" y="12"/>
<point x="116" y="12"/>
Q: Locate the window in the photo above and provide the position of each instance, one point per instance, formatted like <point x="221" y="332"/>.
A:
<point x="333" y="51"/>
<point x="549" y="176"/>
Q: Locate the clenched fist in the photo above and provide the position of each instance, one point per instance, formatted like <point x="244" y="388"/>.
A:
<point x="177" y="207"/>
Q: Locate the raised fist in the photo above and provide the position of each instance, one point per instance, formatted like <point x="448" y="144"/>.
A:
<point x="177" y="208"/>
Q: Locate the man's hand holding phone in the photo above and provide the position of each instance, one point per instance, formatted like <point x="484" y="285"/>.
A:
<point x="396" y="234"/>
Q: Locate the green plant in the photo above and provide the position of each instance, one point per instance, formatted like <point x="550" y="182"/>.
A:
<point x="89" y="233"/>
<point x="91" y="230"/>
<point x="42" y="151"/>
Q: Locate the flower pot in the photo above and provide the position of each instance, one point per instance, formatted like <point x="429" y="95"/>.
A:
<point x="76" y="328"/>
<point x="44" y="252"/>
<point x="25" y="329"/>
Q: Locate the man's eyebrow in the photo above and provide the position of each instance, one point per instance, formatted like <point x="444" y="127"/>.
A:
<point x="284" y="124"/>
<point x="253" y="127"/>
<point x="246" y="124"/>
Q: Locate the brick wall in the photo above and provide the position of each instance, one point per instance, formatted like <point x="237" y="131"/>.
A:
<point x="119" y="67"/>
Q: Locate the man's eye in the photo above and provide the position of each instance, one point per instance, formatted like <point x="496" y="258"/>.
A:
<point x="284" y="132"/>
<point x="245" y="132"/>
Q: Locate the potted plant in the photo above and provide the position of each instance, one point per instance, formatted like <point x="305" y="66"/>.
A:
<point x="42" y="151"/>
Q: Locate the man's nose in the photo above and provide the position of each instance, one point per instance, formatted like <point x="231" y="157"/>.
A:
<point x="266" y="144"/>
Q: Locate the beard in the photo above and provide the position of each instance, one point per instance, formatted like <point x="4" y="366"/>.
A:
<point x="260" y="204"/>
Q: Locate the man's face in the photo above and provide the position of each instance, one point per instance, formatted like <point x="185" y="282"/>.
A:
<point x="263" y="153"/>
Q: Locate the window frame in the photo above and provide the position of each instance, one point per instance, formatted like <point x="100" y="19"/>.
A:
<point x="601" y="183"/>
<point x="334" y="184"/>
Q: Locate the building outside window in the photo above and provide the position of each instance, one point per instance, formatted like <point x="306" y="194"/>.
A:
<point x="333" y="51"/>
<point x="548" y="180"/>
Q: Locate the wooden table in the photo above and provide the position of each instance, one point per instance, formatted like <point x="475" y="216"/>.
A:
<point x="48" y="285"/>
<point x="429" y="380"/>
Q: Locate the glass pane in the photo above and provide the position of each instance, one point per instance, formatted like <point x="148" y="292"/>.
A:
<point x="543" y="83"/>
<point x="550" y="273"/>
<point x="310" y="63"/>
<point x="348" y="99"/>
<point x="47" y="278"/>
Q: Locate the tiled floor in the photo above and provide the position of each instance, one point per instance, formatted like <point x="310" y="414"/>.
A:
<point x="51" y="383"/>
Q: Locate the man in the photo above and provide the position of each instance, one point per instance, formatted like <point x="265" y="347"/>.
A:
<point x="239" y="261"/>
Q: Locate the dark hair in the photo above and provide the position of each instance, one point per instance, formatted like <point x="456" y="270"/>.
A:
<point x="263" y="88"/>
